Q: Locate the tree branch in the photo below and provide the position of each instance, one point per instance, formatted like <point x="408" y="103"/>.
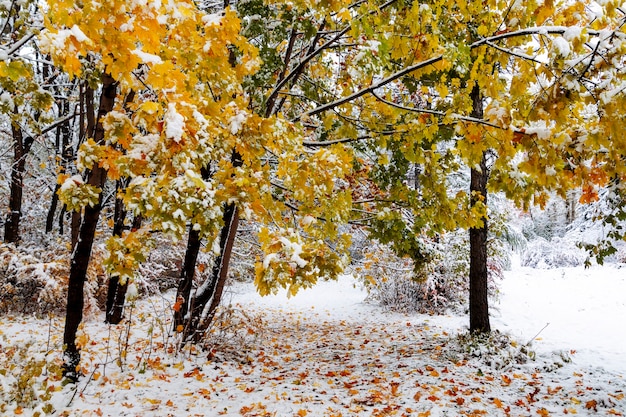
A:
<point x="545" y="30"/>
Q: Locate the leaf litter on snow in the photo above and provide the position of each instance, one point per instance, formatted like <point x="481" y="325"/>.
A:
<point x="322" y="353"/>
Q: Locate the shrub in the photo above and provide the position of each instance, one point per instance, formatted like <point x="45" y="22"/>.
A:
<point x="442" y="283"/>
<point x="556" y="253"/>
<point x="29" y="285"/>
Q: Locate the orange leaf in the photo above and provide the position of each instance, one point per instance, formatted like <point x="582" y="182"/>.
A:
<point x="19" y="410"/>
<point x="506" y="381"/>
<point x="424" y="414"/>
<point x="178" y="305"/>
<point x="460" y="400"/>
<point x="543" y="412"/>
<point x="302" y="412"/>
<point x="591" y="404"/>
<point x="497" y="402"/>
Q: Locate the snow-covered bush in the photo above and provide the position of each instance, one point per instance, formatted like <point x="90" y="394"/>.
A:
<point x="442" y="283"/>
<point x="556" y="253"/>
<point x="495" y="350"/>
<point x="30" y="285"/>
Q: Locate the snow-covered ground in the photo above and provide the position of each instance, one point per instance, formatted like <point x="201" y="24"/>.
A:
<point x="325" y="352"/>
<point x="584" y="310"/>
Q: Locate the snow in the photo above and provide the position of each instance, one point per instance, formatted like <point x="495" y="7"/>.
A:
<point x="147" y="58"/>
<point x="175" y="123"/>
<point x="326" y="352"/>
<point x="582" y="309"/>
<point x="213" y="19"/>
<point x="561" y="46"/>
<point x="237" y="121"/>
<point x="572" y="33"/>
<point x="78" y="34"/>
<point x="72" y="182"/>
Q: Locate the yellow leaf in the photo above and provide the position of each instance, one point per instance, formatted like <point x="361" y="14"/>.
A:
<point x="344" y="15"/>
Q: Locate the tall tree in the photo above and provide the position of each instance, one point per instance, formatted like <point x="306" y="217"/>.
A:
<point x="418" y="69"/>
<point x="21" y="99"/>
<point x="191" y="113"/>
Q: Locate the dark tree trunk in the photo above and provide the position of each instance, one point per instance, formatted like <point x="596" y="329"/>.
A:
<point x="192" y="324"/>
<point x="116" y="292"/>
<point x="64" y="134"/>
<point x="82" y="251"/>
<point x="53" y="209"/>
<point x="479" y="304"/>
<point x="183" y="293"/>
<point x="478" y="275"/>
<point x="213" y="291"/>
<point x="21" y="147"/>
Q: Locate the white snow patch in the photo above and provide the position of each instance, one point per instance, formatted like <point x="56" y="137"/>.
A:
<point x="175" y="123"/>
<point x="237" y="121"/>
<point x="147" y="58"/>
<point x="572" y="33"/>
<point x="561" y="46"/>
<point x="78" y="34"/>
<point x="213" y="19"/>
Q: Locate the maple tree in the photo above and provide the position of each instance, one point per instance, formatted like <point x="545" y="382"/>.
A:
<point x="514" y="93"/>
<point x="175" y="143"/>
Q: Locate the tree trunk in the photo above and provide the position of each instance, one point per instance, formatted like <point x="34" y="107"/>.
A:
<point x="64" y="134"/>
<point x="478" y="275"/>
<point x="215" y="288"/>
<point x="116" y="292"/>
<point x="21" y="147"/>
<point x="188" y="270"/>
<point x="193" y="324"/>
<point x="82" y="251"/>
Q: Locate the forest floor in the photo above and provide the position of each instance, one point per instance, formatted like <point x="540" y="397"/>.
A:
<point x="325" y="352"/>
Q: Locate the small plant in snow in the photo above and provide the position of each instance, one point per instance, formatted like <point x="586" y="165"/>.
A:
<point x="27" y="380"/>
<point x="495" y="349"/>
<point x="233" y="334"/>
<point x="441" y="283"/>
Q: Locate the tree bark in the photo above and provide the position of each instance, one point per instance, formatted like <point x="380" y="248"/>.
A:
<point x="188" y="270"/>
<point x="193" y="324"/>
<point x="21" y="147"/>
<point x="116" y="292"/>
<point x="64" y="134"/>
<point x="82" y="250"/>
<point x="478" y="274"/>
<point x="219" y="273"/>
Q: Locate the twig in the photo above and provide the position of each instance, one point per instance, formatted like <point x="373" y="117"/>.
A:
<point x="535" y="336"/>
<point x="85" y="387"/>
